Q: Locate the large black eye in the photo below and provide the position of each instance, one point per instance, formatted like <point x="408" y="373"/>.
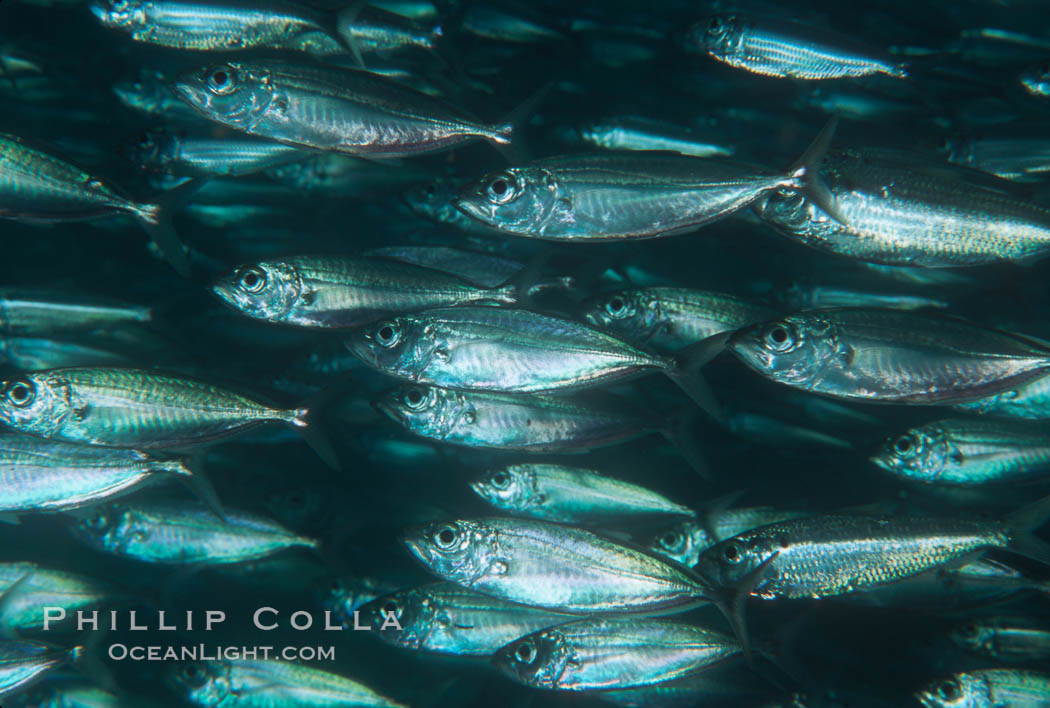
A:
<point x="525" y="652"/>
<point x="671" y="540"/>
<point x="500" y="480"/>
<point x="949" y="690"/>
<point x="390" y="607"/>
<point x="732" y="554"/>
<point x="502" y="189"/>
<point x="415" y="398"/>
<point x="388" y="334"/>
<point x="716" y="24"/>
<point x="780" y="338"/>
<point x="194" y="675"/>
<point x="446" y="537"/>
<point x="615" y="306"/>
<point x="221" y="80"/>
<point x="20" y="393"/>
<point x="252" y="280"/>
<point x="904" y="445"/>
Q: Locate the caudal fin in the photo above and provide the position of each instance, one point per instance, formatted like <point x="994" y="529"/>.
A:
<point x="805" y="172"/>
<point x="197" y="481"/>
<point x="508" y="129"/>
<point x="1023" y="524"/>
<point x="680" y="434"/>
<point x="341" y="23"/>
<point x="157" y="222"/>
<point x="312" y="436"/>
<point x="685" y="371"/>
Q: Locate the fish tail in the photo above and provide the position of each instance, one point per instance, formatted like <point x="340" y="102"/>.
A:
<point x="191" y="473"/>
<point x="340" y="24"/>
<point x="311" y="435"/>
<point x="804" y="174"/>
<point x="684" y="370"/>
<point x="518" y="287"/>
<point x="899" y="71"/>
<point x="680" y="434"/>
<point x="156" y="219"/>
<point x="294" y="416"/>
<point x="505" y="131"/>
<point x="1023" y="524"/>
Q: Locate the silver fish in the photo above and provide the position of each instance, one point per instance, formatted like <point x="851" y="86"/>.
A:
<point x="1007" y="639"/>
<point x="331" y="291"/>
<point x="130" y="408"/>
<point x="344" y="110"/>
<point x="222" y="25"/>
<point x="607" y="653"/>
<point x="632" y="195"/>
<point x="968" y="452"/>
<point x="570" y="495"/>
<point x="780" y="48"/>
<point x="671" y="318"/>
<point x="206" y="156"/>
<point x="373" y="29"/>
<point x="889" y="356"/>
<point x="37" y="187"/>
<point x="896" y="209"/>
<point x="1019" y="159"/>
<point x="554" y="567"/>
<point x="184" y="534"/>
<point x="639" y="133"/>
<point x="38" y="311"/>
<point x="48" y="475"/>
<point x="1030" y="400"/>
<point x="249" y="683"/>
<point x="24" y="662"/>
<point x="27" y="589"/>
<point x="988" y="688"/>
<point x="446" y="619"/>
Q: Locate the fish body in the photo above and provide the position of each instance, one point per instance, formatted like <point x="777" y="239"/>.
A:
<point x="1030" y="400"/>
<point x="24" y="662"/>
<point x="221" y="25"/>
<point x="967" y="452"/>
<point x="604" y="196"/>
<point x="34" y="353"/>
<point x="671" y="318"/>
<point x="1004" y="639"/>
<point x="898" y="210"/>
<point x="783" y="49"/>
<point x="205" y="156"/>
<point x="445" y="618"/>
<point x="48" y="475"/>
<point x="988" y="688"/>
<point x="28" y="588"/>
<point x="889" y="356"/>
<point x="497" y="349"/>
<point x="332" y="292"/>
<point x="135" y="408"/>
<point x="527" y="423"/>
<point x="550" y="566"/>
<point x="247" y="683"/>
<point x="26" y="311"/>
<point x="348" y="111"/>
<point x="637" y="133"/>
<point x="184" y="534"/>
<point x="373" y="29"/>
<point x="1017" y="159"/>
<point x="609" y="653"/>
<point x="570" y="495"/>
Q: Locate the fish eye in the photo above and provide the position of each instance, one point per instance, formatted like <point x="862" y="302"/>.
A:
<point x="221" y="80"/>
<point x="446" y="538"/>
<point x="949" y="690"/>
<point x="525" y="652"/>
<point x="429" y="190"/>
<point x="671" y="540"/>
<point x="780" y="338"/>
<point x="194" y="675"/>
<point x="616" y="306"/>
<point x="970" y="630"/>
<point x="20" y="393"/>
<point x="252" y="280"/>
<point x="716" y="24"/>
<point x="502" y="189"/>
<point x="732" y="554"/>
<point x="388" y="334"/>
<point x="119" y="5"/>
<point x="391" y="608"/>
<point x="414" y="398"/>
<point x="904" y="445"/>
<point x="500" y="479"/>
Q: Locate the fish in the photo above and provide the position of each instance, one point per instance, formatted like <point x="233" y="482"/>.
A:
<point x="49" y="475"/>
<point x="836" y="554"/>
<point x="370" y="29"/>
<point x="35" y="311"/>
<point x="668" y="319"/>
<point x="783" y="49"/>
<point x="132" y="408"/>
<point x="641" y="133"/>
<point x="344" y="110"/>
<point x="599" y="654"/>
<point x="1017" y="688"/>
<point x="24" y="662"/>
<point x="570" y="495"/>
<point x="446" y="619"/>
<point x="184" y="533"/>
<point x="222" y="25"/>
<point x="1036" y="80"/>
<point x="190" y="155"/>
<point x="344" y="596"/>
<point x="251" y="683"/>
<point x="1006" y="639"/>
<point x="1012" y="157"/>
<point x="554" y="567"/>
<point x="532" y="423"/>
<point x="37" y="187"/>
<point x="685" y="540"/>
<point x="435" y="202"/>
<point x="968" y="452"/>
<point x="889" y="356"/>
<point x="801" y="295"/>
<point x="150" y="94"/>
<point x="1030" y="400"/>
<point x="335" y="292"/>
<point x="510" y="351"/>
<point x="34" y="353"/>
<point x="26" y="589"/>
<point x="896" y="209"/>
<point x="631" y="195"/>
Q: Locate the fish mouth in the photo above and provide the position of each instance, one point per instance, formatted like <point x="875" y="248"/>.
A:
<point x="387" y="407"/>
<point x="229" y="295"/>
<point x="188" y="93"/>
<point x="357" y="346"/>
<point x="471" y="209"/>
<point x="100" y="10"/>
